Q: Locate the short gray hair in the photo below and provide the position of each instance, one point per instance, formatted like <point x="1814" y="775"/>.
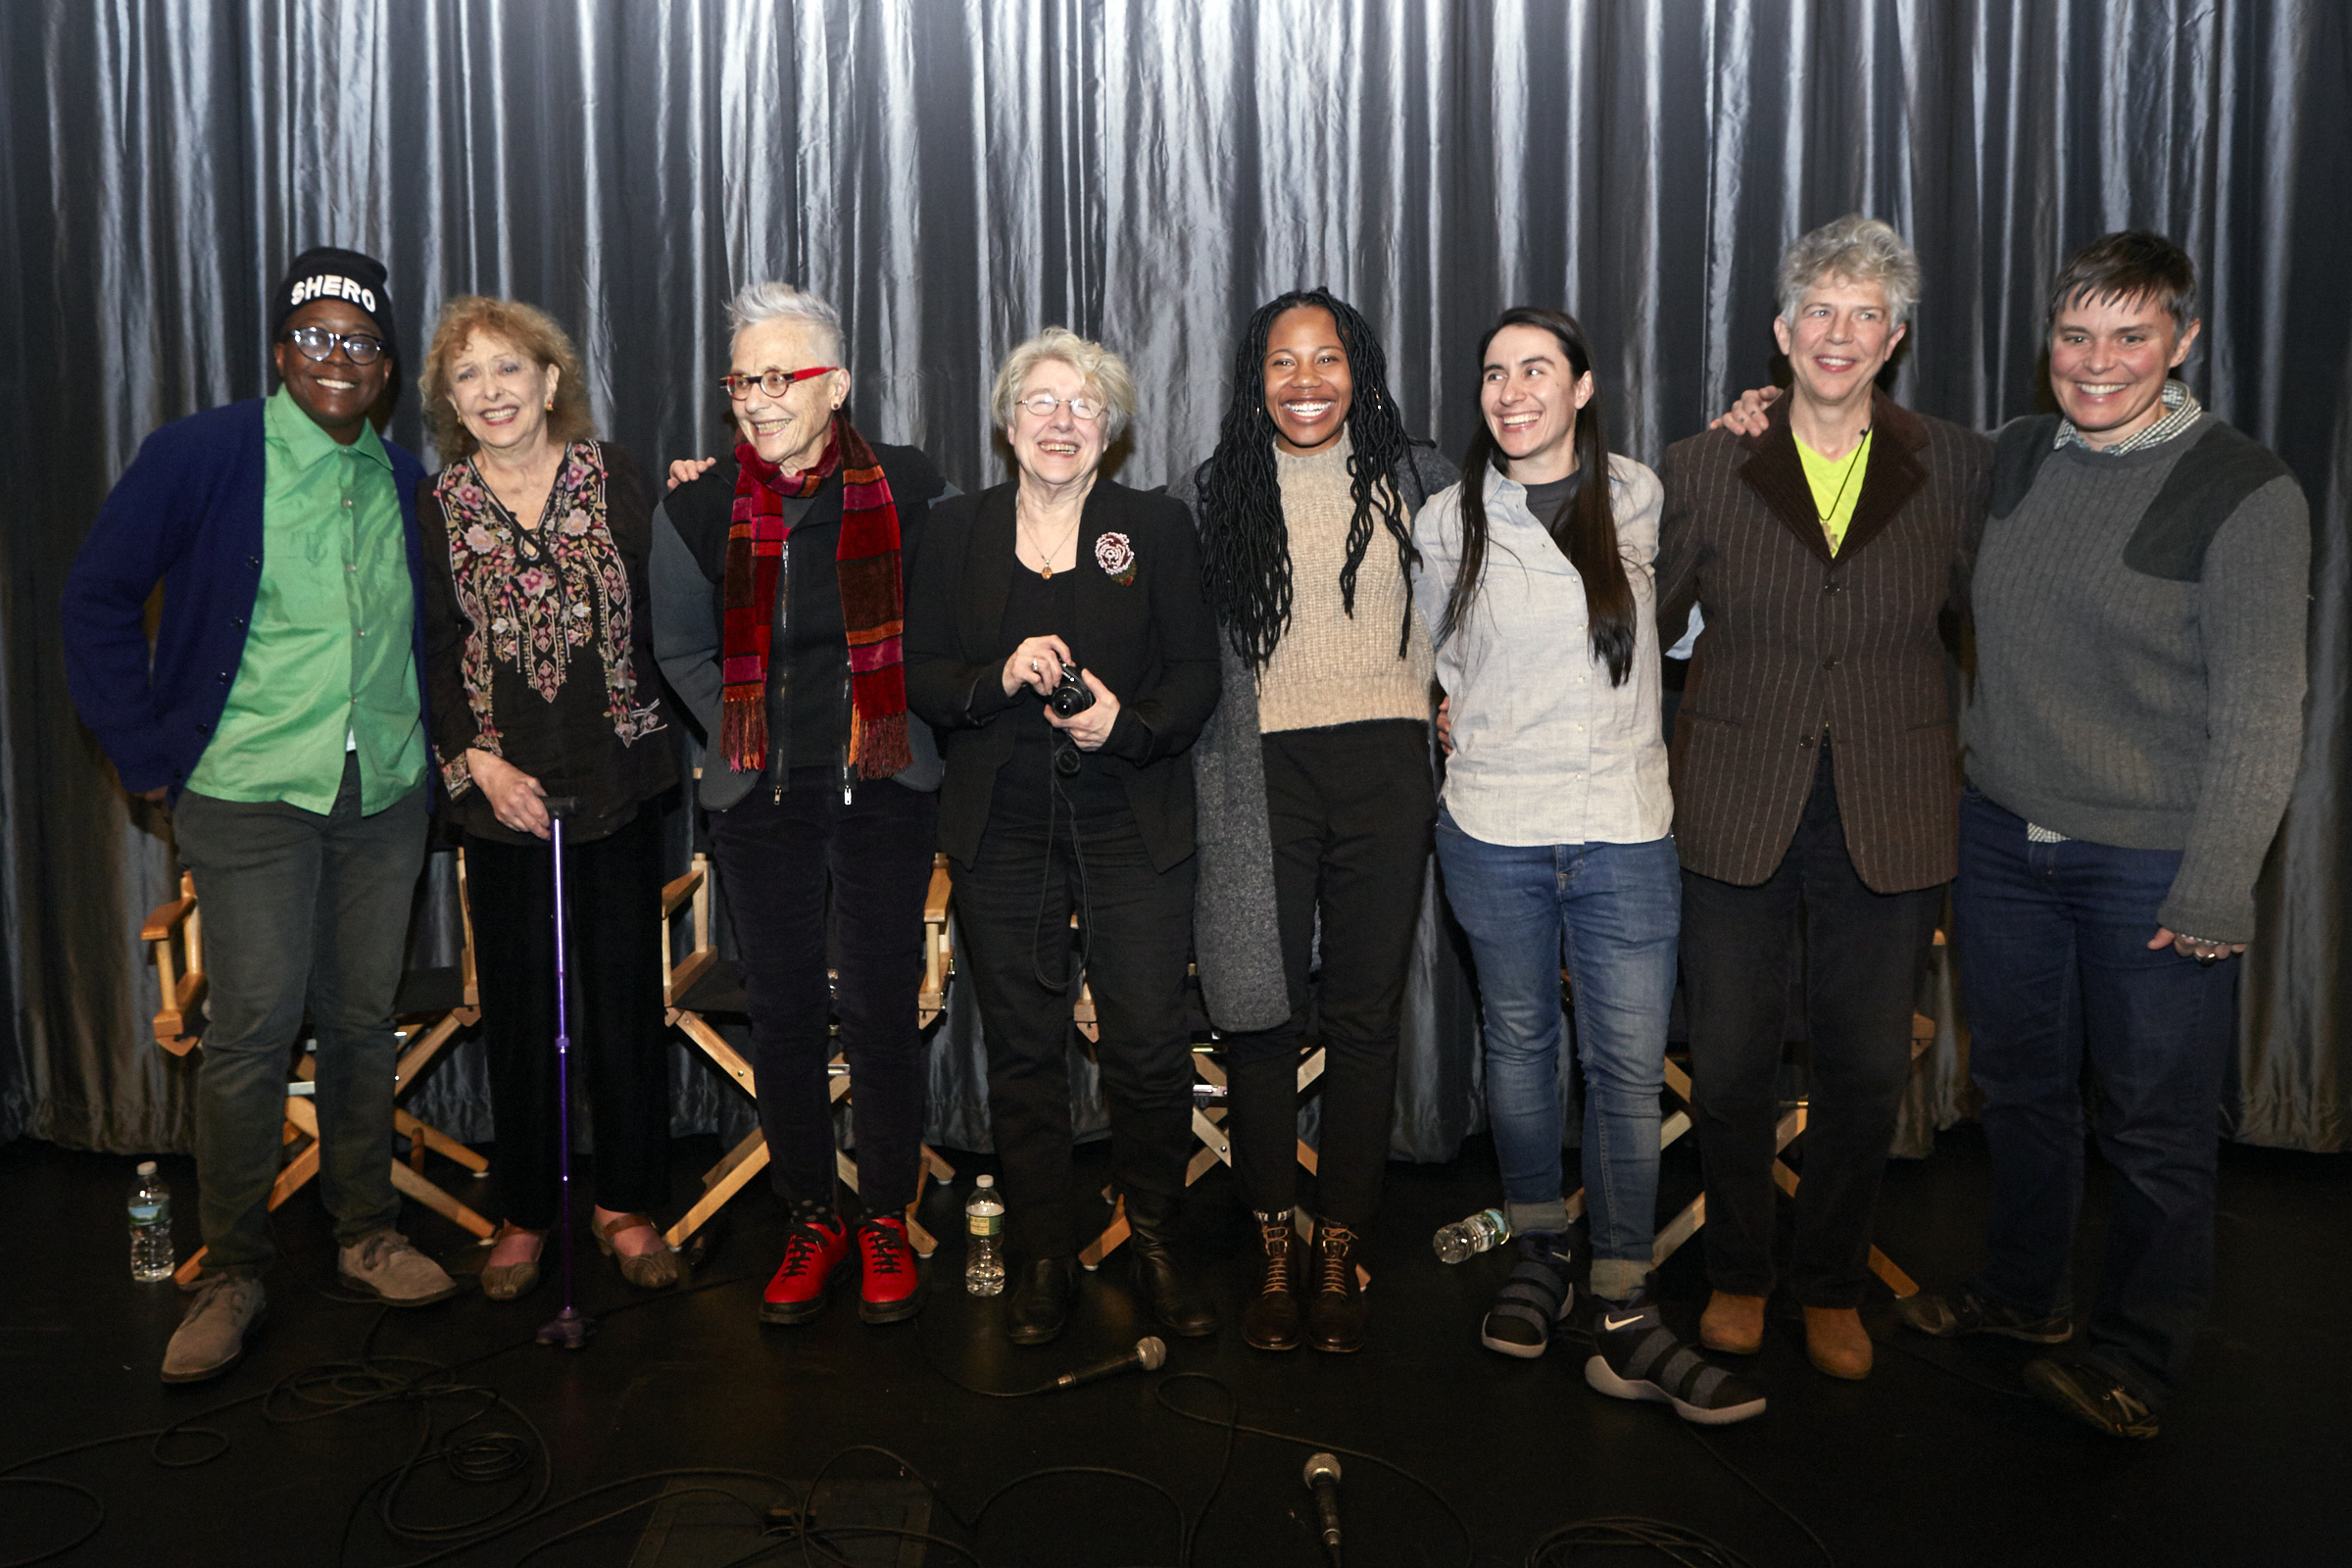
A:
<point x="771" y="301"/>
<point x="1858" y="249"/>
<point x="1104" y="373"/>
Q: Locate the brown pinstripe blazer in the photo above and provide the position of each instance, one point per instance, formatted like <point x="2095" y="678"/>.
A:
<point x="1799" y="642"/>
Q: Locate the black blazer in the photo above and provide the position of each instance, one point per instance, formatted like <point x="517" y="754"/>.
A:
<point x="1799" y="641"/>
<point x="1150" y="639"/>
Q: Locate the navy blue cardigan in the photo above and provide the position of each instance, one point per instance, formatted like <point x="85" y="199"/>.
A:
<point x="188" y="511"/>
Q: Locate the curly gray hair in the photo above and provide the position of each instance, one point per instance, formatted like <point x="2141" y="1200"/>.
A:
<point x="1858" y="250"/>
<point x="771" y="301"/>
<point x="1104" y="373"/>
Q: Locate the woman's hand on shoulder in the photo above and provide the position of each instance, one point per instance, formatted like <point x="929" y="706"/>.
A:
<point x="1091" y="728"/>
<point x="514" y="796"/>
<point x="1747" y="416"/>
<point x="1037" y="665"/>
<point x="685" y="471"/>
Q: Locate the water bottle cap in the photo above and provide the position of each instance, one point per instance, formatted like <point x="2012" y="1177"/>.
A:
<point x="984" y="1181"/>
<point x="146" y="1167"/>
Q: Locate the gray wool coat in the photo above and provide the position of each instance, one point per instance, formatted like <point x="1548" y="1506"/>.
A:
<point x="1236" y="937"/>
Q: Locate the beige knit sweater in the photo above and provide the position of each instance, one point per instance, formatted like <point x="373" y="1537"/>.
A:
<point x="1331" y="667"/>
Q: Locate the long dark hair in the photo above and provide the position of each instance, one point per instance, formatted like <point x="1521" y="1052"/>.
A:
<point x="1585" y="528"/>
<point x="1245" y="546"/>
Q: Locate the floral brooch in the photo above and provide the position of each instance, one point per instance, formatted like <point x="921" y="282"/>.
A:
<point x="1116" y="557"/>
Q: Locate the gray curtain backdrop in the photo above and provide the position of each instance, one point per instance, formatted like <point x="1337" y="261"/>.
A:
<point x="956" y="174"/>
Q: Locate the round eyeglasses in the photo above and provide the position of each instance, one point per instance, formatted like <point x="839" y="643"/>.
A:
<point x="775" y="383"/>
<point x="1042" y="405"/>
<point x="318" y="343"/>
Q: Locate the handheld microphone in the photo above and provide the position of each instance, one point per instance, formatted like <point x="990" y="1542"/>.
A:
<point x="1323" y="1480"/>
<point x="1146" y="1356"/>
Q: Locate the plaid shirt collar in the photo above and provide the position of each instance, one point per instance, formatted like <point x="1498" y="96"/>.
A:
<point x="2180" y="410"/>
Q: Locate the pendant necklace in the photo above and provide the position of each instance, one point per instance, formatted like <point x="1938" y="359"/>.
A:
<point x="1852" y="464"/>
<point x="1045" y="570"/>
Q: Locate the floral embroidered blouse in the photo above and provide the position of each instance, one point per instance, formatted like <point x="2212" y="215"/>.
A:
<point x="539" y="647"/>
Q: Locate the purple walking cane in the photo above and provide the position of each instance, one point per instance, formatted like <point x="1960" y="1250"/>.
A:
<point x="570" y="1327"/>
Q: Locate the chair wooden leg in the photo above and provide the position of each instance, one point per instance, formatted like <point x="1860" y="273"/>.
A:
<point x="439" y="1202"/>
<point x="921" y="1240"/>
<point x="293" y="1174"/>
<point x="721" y="1182"/>
<point x="425" y="1136"/>
<point x="1103" y="1245"/>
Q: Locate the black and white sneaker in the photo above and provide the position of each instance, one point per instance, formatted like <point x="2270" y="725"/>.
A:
<point x="1533" y="1300"/>
<point x="2094" y="1397"/>
<point x="1637" y="1357"/>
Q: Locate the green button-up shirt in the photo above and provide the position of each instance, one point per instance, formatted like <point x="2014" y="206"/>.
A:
<point x="328" y="666"/>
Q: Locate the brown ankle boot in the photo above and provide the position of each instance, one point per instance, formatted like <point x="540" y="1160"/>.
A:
<point x="1836" y="1343"/>
<point x="1733" y="1324"/>
<point x="1271" y="1320"/>
<point x="1335" y="1315"/>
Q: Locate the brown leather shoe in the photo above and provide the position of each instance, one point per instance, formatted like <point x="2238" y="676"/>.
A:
<point x="506" y="1282"/>
<point x="1334" y="1313"/>
<point x="656" y="1270"/>
<point x="1836" y="1343"/>
<point x="1733" y="1324"/>
<point x="1272" y="1320"/>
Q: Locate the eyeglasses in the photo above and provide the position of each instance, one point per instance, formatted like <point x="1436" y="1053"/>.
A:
<point x="318" y="343"/>
<point x="775" y="383"/>
<point x="1044" y="404"/>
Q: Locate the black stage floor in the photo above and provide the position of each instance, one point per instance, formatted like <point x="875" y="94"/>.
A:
<point x="1936" y="1459"/>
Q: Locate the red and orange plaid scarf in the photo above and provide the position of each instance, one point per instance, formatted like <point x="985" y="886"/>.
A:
<point x="872" y="603"/>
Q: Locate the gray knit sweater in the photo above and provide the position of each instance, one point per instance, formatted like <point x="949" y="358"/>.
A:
<point x="2139" y="629"/>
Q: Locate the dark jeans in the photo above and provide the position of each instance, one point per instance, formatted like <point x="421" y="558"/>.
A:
<point x="620" y="1046"/>
<point x="1012" y="915"/>
<point x="299" y="910"/>
<point x="2054" y="957"/>
<point x="1863" y="955"/>
<point x="1352" y="809"/>
<point x="776" y="860"/>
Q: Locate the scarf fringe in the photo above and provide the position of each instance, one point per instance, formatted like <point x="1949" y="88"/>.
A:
<point x="743" y="730"/>
<point x="880" y="746"/>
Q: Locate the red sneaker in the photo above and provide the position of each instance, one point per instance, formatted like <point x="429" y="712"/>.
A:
<point x="890" y="1291"/>
<point x="813" y="1260"/>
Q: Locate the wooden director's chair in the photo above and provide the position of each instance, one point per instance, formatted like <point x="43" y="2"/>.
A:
<point x="702" y="985"/>
<point x="431" y="1005"/>
<point x="1785" y="1132"/>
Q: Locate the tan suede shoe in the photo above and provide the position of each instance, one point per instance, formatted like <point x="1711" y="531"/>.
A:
<point x="1733" y="1324"/>
<point x="1836" y="1342"/>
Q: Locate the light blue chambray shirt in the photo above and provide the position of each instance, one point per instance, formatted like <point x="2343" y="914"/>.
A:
<point x="1546" y="750"/>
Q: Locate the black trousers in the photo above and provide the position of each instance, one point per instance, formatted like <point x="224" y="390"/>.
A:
<point x="777" y="860"/>
<point x="1012" y="915"/>
<point x="1352" y="810"/>
<point x="620" y="1045"/>
<point x="1863" y="955"/>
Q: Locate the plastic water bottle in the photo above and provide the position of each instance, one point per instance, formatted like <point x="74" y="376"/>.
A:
<point x="151" y="1254"/>
<point x="1464" y="1239"/>
<point x="984" y="1240"/>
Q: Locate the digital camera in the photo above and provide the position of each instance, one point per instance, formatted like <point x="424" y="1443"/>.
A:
<point x="1071" y="696"/>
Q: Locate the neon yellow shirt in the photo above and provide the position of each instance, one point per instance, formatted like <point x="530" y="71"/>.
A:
<point x="329" y="666"/>
<point x="1837" y="485"/>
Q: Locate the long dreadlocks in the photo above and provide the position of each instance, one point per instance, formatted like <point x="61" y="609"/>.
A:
<point x="1244" y="544"/>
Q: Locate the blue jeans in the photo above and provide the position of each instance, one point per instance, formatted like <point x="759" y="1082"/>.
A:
<point x="1612" y="913"/>
<point x="2055" y="958"/>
